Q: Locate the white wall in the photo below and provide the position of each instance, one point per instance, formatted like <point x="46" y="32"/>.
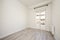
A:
<point x="0" y="13"/>
<point x="13" y="17"/>
<point x="32" y="14"/>
<point x="56" y="17"/>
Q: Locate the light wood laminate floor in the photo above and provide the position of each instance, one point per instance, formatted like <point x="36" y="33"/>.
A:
<point x="30" y="34"/>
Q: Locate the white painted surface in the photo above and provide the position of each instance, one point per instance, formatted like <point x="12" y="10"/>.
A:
<point x="32" y="15"/>
<point x="56" y="18"/>
<point x="13" y="17"/>
<point x="30" y="3"/>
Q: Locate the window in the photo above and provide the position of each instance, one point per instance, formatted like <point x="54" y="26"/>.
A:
<point x="40" y="18"/>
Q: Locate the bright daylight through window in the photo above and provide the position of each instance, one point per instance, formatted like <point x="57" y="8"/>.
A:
<point x="40" y="18"/>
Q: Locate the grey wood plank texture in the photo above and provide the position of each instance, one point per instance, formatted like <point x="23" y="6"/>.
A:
<point x="30" y="34"/>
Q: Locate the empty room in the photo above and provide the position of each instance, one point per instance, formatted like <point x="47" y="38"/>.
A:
<point x="29" y="20"/>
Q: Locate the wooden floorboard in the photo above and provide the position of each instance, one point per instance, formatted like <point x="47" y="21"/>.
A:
<point x="30" y="34"/>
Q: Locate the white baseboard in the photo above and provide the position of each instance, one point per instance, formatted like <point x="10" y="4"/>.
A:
<point x="11" y="33"/>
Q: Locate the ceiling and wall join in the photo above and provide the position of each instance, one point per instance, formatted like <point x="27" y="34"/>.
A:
<point x="30" y="3"/>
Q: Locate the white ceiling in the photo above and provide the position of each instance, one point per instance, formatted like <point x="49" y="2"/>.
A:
<point x="30" y="3"/>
